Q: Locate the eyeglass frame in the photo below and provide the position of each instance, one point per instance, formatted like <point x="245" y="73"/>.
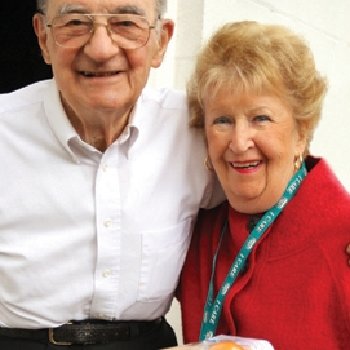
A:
<point x="94" y="24"/>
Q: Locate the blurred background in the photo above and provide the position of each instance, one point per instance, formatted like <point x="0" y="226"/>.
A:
<point x="323" y="23"/>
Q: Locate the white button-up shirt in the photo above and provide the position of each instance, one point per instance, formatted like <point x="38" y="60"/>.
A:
<point x="85" y="234"/>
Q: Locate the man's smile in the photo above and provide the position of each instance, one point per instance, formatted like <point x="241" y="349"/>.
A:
<point x="92" y="74"/>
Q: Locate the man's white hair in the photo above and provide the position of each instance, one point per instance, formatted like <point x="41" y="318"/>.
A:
<point x="161" y="6"/>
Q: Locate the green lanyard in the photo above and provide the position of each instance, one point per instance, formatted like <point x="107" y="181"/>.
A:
<point x="213" y="308"/>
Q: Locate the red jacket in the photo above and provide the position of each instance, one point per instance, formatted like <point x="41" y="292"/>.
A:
<point x="295" y="291"/>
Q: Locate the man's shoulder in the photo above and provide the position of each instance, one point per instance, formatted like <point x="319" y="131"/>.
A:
<point x="24" y="97"/>
<point x="166" y="97"/>
<point x="165" y="108"/>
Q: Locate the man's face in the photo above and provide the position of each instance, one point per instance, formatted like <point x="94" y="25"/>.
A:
<point x="100" y="75"/>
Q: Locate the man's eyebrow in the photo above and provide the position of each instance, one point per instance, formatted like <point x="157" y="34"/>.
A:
<point x="68" y="8"/>
<point x="129" y="9"/>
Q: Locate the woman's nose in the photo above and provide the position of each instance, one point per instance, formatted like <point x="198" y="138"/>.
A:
<point x="241" y="138"/>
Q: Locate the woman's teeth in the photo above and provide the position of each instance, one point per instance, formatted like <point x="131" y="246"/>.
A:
<point x="253" y="164"/>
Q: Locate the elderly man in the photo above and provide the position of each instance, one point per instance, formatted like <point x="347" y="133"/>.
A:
<point x="101" y="181"/>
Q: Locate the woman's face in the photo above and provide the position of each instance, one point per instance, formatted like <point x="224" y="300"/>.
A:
<point x="252" y="143"/>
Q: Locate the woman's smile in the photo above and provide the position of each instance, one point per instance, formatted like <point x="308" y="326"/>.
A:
<point x="246" y="167"/>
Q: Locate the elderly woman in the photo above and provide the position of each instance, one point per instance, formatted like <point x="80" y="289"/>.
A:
<point x="266" y="262"/>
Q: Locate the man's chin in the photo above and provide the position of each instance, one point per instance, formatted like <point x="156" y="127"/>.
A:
<point x="107" y="102"/>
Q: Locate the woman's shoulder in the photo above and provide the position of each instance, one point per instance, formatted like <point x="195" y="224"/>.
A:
<point x="322" y="182"/>
<point x="322" y="198"/>
<point x="209" y="223"/>
<point x="213" y="215"/>
<point x="327" y="212"/>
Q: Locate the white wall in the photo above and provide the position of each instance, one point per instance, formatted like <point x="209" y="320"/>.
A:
<point x="323" y="23"/>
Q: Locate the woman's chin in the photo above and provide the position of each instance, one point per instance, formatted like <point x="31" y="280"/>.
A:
<point x="251" y="204"/>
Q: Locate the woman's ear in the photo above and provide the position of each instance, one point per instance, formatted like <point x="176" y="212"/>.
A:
<point x="302" y="139"/>
<point x="41" y="34"/>
<point x="301" y="146"/>
<point x="166" y="32"/>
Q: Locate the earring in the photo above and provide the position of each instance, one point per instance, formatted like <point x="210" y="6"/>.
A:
<point x="207" y="163"/>
<point x="298" y="161"/>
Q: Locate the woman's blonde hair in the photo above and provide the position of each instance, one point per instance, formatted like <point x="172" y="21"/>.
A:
<point x="252" y="57"/>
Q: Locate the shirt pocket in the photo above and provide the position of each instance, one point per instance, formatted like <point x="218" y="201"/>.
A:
<point x="163" y="254"/>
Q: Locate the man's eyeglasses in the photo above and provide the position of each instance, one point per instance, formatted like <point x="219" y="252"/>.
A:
<point x="73" y="30"/>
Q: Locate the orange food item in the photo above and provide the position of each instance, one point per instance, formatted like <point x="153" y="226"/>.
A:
<point x="226" y="345"/>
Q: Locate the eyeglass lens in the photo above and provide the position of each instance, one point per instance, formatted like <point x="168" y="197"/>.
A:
<point x="129" y="31"/>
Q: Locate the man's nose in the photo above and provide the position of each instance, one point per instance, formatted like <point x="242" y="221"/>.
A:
<point x="100" y="46"/>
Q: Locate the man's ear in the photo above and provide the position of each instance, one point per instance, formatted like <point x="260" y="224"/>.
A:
<point x="41" y="33"/>
<point x="165" y="35"/>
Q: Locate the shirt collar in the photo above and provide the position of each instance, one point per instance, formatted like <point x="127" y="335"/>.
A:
<point x="57" y="118"/>
<point x="68" y="136"/>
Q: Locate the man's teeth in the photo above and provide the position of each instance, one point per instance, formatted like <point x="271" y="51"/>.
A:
<point x="98" y="74"/>
<point x="246" y="165"/>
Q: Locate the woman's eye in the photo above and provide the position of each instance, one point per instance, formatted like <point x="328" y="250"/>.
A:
<point x="262" y="118"/>
<point x="222" y="120"/>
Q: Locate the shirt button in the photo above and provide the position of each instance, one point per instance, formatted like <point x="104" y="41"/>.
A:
<point x="107" y="223"/>
<point x="106" y="273"/>
<point x="104" y="167"/>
